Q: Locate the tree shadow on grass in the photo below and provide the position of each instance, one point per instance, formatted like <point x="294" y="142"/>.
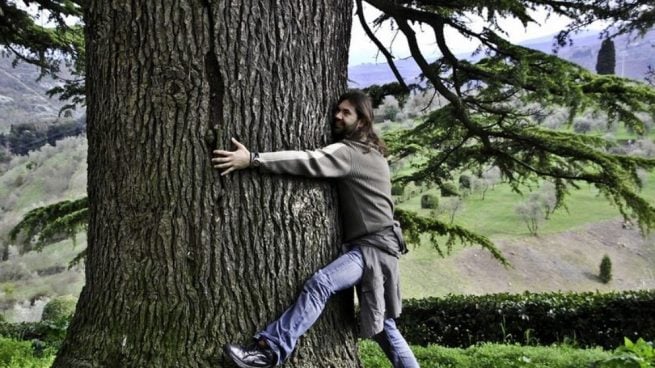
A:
<point x="592" y="276"/>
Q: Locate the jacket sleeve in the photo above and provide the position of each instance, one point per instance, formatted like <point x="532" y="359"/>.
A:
<point x="332" y="161"/>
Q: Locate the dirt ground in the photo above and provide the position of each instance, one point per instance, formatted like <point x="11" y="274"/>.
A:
<point x="566" y="261"/>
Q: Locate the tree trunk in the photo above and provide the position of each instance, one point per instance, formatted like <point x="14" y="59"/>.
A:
<point x="181" y="260"/>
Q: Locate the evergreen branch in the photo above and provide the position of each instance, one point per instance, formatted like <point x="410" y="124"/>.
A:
<point x="68" y="224"/>
<point x="78" y="259"/>
<point x="48" y="224"/>
<point x="414" y="225"/>
<point x="385" y="52"/>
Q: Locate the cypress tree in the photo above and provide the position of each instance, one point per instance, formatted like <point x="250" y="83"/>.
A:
<point x="606" y="58"/>
<point x="605" y="269"/>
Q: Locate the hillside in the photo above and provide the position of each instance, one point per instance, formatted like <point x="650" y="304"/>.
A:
<point x="22" y="98"/>
<point x="566" y="261"/>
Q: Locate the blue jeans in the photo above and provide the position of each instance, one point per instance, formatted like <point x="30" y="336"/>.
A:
<point x="343" y="273"/>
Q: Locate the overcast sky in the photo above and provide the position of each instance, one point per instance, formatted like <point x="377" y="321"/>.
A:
<point x="362" y="50"/>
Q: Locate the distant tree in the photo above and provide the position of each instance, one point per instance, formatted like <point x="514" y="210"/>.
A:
<point x="532" y="213"/>
<point x="394" y="89"/>
<point x="451" y="206"/>
<point x="397" y="189"/>
<point x="429" y="201"/>
<point x="465" y="182"/>
<point x="606" y="57"/>
<point x="388" y="110"/>
<point x="26" y="137"/>
<point x="650" y="75"/>
<point x="548" y="198"/>
<point x="582" y="126"/>
<point x="448" y="189"/>
<point x="605" y="274"/>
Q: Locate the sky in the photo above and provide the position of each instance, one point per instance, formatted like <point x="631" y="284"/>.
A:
<point x="362" y="50"/>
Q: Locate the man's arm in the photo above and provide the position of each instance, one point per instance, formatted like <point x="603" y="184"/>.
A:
<point x="329" y="162"/>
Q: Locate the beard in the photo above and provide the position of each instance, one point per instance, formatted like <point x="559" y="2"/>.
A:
<point x="342" y="131"/>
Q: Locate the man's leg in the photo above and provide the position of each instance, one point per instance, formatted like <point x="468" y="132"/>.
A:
<point x="282" y="334"/>
<point x="395" y="347"/>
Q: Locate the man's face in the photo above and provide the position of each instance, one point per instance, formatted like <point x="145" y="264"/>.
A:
<point x="345" y="118"/>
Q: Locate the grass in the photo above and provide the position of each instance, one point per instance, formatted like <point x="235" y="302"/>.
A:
<point x="489" y="356"/>
<point x="15" y="354"/>
<point x="19" y="354"/>
<point x="424" y="273"/>
<point x="495" y="215"/>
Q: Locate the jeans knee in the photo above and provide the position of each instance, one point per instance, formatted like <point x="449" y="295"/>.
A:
<point x="319" y="284"/>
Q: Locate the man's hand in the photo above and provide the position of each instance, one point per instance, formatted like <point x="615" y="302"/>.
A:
<point x="232" y="160"/>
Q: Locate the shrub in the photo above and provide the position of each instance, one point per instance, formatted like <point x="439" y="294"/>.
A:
<point x="605" y="274"/>
<point x="632" y="354"/>
<point x="397" y="189"/>
<point x="21" y="354"/>
<point x="588" y="319"/>
<point x="48" y="334"/>
<point x="465" y="181"/>
<point x="61" y="307"/>
<point x="429" y="201"/>
<point x="448" y="189"/>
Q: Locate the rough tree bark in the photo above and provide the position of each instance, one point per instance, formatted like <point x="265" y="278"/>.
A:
<point x="180" y="260"/>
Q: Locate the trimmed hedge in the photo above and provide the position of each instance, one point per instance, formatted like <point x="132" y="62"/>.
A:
<point x="584" y="319"/>
<point x="61" y="307"/>
<point x="429" y="201"/>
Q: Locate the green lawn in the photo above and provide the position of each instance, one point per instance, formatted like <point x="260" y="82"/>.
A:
<point x="495" y="215"/>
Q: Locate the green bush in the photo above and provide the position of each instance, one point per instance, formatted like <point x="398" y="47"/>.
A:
<point x="587" y="319"/>
<point x="61" y="307"/>
<point x="429" y="201"/>
<point x="449" y="189"/>
<point x="47" y="333"/>
<point x="632" y="354"/>
<point x="21" y="354"/>
<point x="465" y="181"/>
<point x="397" y="189"/>
<point x="605" y="274"/>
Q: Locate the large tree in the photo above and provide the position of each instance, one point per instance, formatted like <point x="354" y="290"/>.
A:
<point x="180" y="261"/>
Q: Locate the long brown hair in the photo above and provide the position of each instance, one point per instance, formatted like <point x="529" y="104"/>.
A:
<point x="364" y="131"/>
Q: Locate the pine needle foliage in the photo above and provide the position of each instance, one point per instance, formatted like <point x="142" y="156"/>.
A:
<point x="48" y="47"/>
<point x="45" y="225"/>
<point x="414" y="226"/>
<point x="494" y="104"/>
